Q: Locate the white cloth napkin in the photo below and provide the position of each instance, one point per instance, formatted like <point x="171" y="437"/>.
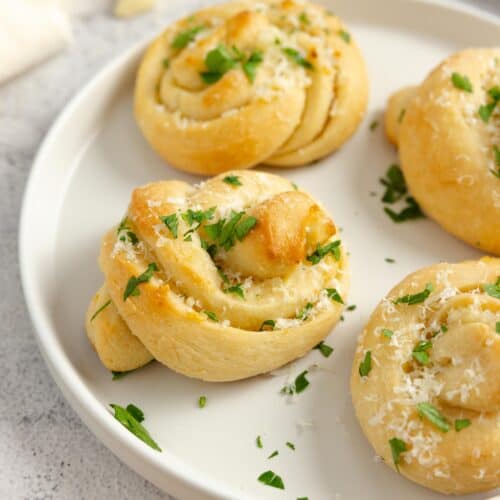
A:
<point x="30" y="31"/>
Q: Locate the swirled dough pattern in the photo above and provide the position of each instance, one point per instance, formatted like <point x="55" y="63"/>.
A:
<point x="448" y="133"/>
<point x="278" y="81"/>
<point x="246" y="273"/>
<point x="442" y="349"/>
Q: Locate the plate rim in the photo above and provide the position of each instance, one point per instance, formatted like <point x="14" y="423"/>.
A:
<point x="146" y="462"/>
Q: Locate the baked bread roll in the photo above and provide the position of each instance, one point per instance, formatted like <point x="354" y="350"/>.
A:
<point x="426" y="377"/>
<point x="448" y="134"/>
<point x="221" y="281"/>
<point x="278" y="81"/>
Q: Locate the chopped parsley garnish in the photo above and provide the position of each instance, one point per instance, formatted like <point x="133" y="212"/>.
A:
<point x="269" y="324"/>
<point x="202" y="401"/>
<point x="136" y="412"/>
<point x="211" y="249"/>
<point x="444" y="328"/>
<point x="269" y="478"/>
<point x="302" y="498"/>
<point x="251" y="64"/>
<point x="434" y="416"/>
<point x="166" y="62"/>
<point x="324" y="349"/>
<point x="390" y="260"/>
<point x="298" y="386"/>
<point x="387" y="333"/>
<point x="420" y="353"/>
<point x="134" y="282"/>
<point x="486" y="110"/>
<point x="496" y="152"/>
<point x="172" y="223"/>
<point x="334" y="295"/>
<point x="123" y="231"/>
<point x="351" y="307"/>
<point x="211" y="315"/>
<point x="295" y="186"/>
<point x="461" y="423"/>
<point x="417" y="297"/>
<point x="333" y="247"/>
<point x="401" y="115"/>
<point x="123" y="225"/>
<point x="106" y="304"/>
<point x="398" y="447"/>
<point x="233" y="180"/>
<point x="304" y="19"/>
<point x="395" y="185"/>
<point x="225" y="232"/>
<point x="410" y="212"/>
<point x="346" y="36"/>
<point x="304" y="313"/>
<point x="128" y="418"/>
<point x="218" y="61"/>
<point x="273" y="454"/>
<point x="185" y="37"/>
<point x="297" y="57"/>
<point x="365" y="367"/>
<point x="373" y="125"/>
<point x="290" y="445"/>
<point x="258" y="442"/>
<point x="236" y="289"/>
<point x="493" y="289"/>
<point x="461" y="82"/>
<point x="199" y="216"/>
<point x="497" y="327"/>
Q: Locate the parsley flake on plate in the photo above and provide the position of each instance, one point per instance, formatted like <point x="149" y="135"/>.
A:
<point x="128" y="418"/>
<point x="202" y="401"/>
<point x="298" y="386"/>
<point x="269" y="478"/>
<point x="258" y="442"/>
<point x="273" y="454"/>
<point x="290" y="445"/>
<point x="324" y="349"/>
<point x="395" y="185"/>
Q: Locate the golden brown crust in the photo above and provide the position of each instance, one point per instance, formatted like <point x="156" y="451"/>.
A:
<point x="460" y="377"/>
<point x="447" y="150"/>
<point x="191" y="315"/>
<point x="289" y="115"/>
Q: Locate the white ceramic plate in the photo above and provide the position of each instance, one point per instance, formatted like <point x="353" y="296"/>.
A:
<point x="80" y="186"/>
